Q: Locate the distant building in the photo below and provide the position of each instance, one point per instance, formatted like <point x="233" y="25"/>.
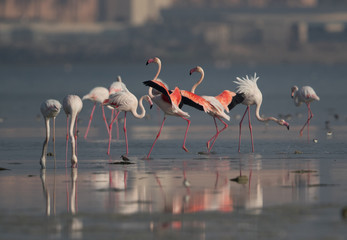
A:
<point x="133" y="12"/>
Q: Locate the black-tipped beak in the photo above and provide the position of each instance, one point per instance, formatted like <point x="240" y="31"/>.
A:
<point x="147" y="63"/>
<point x="150" y="107"/>
<point x="288" y="127"/>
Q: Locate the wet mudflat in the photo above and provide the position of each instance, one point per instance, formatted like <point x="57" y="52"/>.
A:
<point x="286" y="190"/>
<point x="289" y="188"/>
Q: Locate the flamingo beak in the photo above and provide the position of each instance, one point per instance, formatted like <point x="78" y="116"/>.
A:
<point x="106" y="102"/>
<point x="292" y="95"/>
<point x="192" y="70"/>
<point x="287" y="125"/>
<point x="149" y="61"/>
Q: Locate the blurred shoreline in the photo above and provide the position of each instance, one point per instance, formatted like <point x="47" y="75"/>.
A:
<point x="112" y="42"/>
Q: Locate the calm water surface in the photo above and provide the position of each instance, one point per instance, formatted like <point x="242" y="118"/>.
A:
<point x="290" y="188"/>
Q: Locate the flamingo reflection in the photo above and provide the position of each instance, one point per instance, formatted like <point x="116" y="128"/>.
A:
<point x="72" y="225"/>
<point x="46" y="193"/>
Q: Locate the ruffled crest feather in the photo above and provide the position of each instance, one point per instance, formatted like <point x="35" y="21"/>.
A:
<point x="246" y="84"/>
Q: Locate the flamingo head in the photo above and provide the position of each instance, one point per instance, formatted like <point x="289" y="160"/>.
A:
<point x="196" y="69"/>
<point x="294" y="89"/>
<point x="283" y="123"/>
<point x="153" y="60"/>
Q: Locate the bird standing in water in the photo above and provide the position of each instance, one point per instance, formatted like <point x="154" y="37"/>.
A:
<point x="125" y="101"/>
<point x="220" y="103"/>
<point x="170" y="102"/>
<point x="248" y="89"/>
<point x="72" y="105"/>
<point x="49" y="109"/>
<point x="305" y="95"/>
<point x="117" y="86"/>
<point x="96" y="95"/>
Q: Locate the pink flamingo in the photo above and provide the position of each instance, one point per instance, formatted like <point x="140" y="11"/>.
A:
<point x="169" y="104"/>
<point x="72" y="105"/>
<point x="220" y="103"/>
<point x="49" y="109"/>
<point x="305" y="95"/>
<point x="96" y="95"/>
<point x="248" y="89"/>
<point x="125" y="101"/>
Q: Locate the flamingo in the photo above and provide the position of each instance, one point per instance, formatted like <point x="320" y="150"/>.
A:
<point x="248" y="89"/>
<point x="220" y="103"/>
<point x="49" y="109"/>
<point x="116" y="86"/>
<point x="97" y="95"/>
<point x="169" y="104"/>
<point x="72" y="105"/>
<point x="305" y="95"/>
<point x="125" y="101"/>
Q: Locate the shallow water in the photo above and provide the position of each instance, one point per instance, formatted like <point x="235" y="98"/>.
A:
<point x="291" y="187"/>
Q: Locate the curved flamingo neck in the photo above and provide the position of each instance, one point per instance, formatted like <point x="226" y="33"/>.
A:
<point x="159" y="69"/>
<point x="200" y="80"/>
<point x="143" y="111"/>
<point x="257" y="115"/>
<point x="150" y="93"/>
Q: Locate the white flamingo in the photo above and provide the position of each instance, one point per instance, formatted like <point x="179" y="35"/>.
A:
<point x="125" y="101"/>
<point x="248" y="89"/>
<point x="72" y="105"/>
<point x="117" y="86"/>
<point x="306" y="94"/>
<point x="96" y="95"/>
<point x="49" y="109"/>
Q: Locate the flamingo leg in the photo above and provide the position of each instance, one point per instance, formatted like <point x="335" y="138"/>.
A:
<point x="310" y="115"/>
<point x="240" y="126"/>
<point x="90" y="121"/>
<point x="67" y="139"/>
<point x="117" y="125"/>
<point x="125" y="132"/>
<point x="110" y="133"/>
<point x="208" y="142"/>
<point x="53" y="140"/>
<point x="218" y="132"/>
<point x="104" y="117"/>
<point x="250" y="128"/>
<point x="185" y="135"/>
<point x="75" y="135"/>
<point x="161" y="127"/>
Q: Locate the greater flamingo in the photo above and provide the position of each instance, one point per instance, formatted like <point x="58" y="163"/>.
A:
<point x="169" y="104"/>
<point x="305" y="95"/>
<point x="96" y="95"/>
<point x="220" y="103"/>
<point x="72" y="105"/>
<point x="125" y="101"/>
<point x="49" y="109"/>
<point x="171" y="101"/>
<point x="248" y="89"/>
<point x="117" y="86"/>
